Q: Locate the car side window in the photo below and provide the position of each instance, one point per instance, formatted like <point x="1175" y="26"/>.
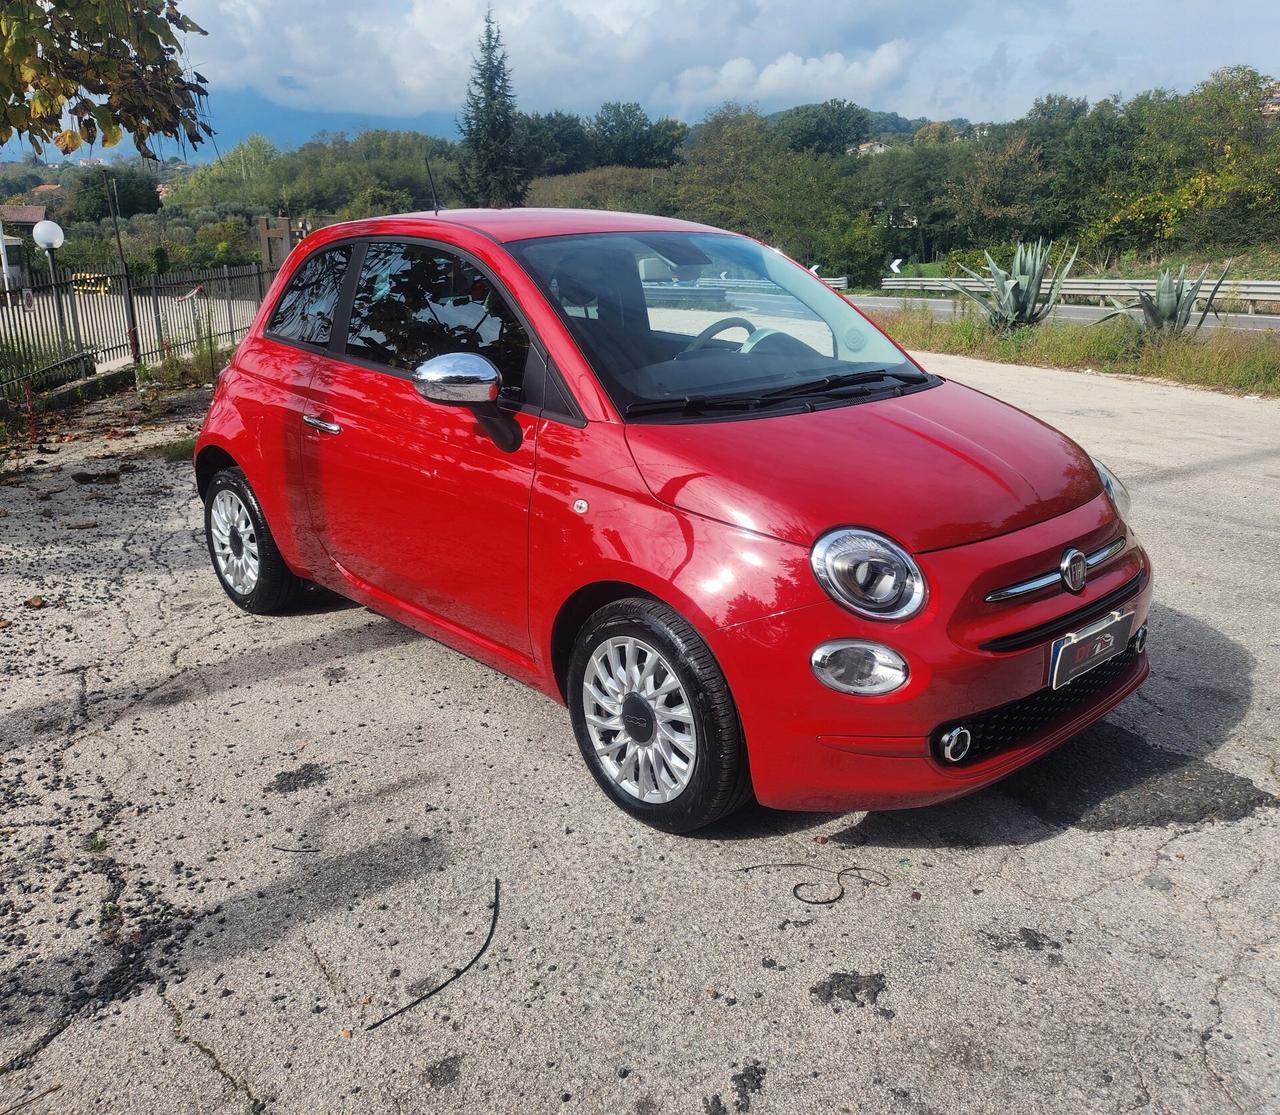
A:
<point x="414" y="301"/>
<point x="305" y="310"/>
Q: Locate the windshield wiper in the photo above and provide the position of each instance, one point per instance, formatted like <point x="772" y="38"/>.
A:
<point x="698" y="404"/>
<point x="847" y="379"/>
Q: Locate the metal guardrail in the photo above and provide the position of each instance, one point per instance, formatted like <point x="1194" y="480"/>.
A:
<point x="1247" y="291"/>
<point x="676" y="292"/>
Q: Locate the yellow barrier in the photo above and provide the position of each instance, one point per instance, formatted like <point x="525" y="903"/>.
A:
<point x="86" y="282"/>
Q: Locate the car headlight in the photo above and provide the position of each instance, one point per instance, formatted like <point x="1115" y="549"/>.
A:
<point x="868" y="574"/>
<point x="1118" y="492"/>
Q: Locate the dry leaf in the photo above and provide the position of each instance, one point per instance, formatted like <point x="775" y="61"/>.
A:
<point x="34" y="602"/>
<point x="346" y="1032"/>
<point x="5" y="623"/>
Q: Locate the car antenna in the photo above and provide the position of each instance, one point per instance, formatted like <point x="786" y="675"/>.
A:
<point x="435" y="198"/>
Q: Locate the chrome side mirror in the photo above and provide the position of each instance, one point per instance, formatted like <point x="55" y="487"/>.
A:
<point x="458" y="379"/>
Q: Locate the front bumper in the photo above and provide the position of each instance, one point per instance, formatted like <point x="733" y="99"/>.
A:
<point x="811" y="748"/>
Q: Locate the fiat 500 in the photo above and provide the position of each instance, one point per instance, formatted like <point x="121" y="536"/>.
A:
<point x="668" y="477"/>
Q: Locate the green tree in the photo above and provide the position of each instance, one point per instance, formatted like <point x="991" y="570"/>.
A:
<point x="995" y="198"/>
<point x="133" y="190"/>
<point x="666" y="138"/>
<point x="226" y="241"/>
<point x="557" y="143"/>
<point x="739" y="174"/>
<point x="492" y="170"/>
<point x="829" y="128"/>
<point x="109" y="65"/>
<point x="932" y="134"/>
<point x="855" y="248"/>
<point x="623" y="135"/>
<point x="375" y="201"/>
<point x="626" y="188"/>
<point x="246" y="173"/>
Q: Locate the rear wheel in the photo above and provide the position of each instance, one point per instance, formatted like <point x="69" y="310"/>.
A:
<point x="242" y="549"/>
<point x="654" y="717"/>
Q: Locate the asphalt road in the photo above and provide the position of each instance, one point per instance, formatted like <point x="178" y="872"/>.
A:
<point x="946" y="307"/>
<point x="229" y="845"/>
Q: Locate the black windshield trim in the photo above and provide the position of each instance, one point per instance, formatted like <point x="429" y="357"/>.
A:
<point x="721" y="411"/>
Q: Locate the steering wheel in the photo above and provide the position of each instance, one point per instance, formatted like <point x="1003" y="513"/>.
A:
<point x="720" y="326"/>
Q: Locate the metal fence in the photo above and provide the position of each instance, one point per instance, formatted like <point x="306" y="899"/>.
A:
<point x="54" y="331"/>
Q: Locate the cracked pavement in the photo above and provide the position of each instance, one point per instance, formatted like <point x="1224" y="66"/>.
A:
<point x="231" y="844"/>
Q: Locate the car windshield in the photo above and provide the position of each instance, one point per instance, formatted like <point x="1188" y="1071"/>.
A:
<point x="679" y="325"/>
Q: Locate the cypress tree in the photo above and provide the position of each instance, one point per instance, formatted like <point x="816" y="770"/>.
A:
<point x="492" y="170"/>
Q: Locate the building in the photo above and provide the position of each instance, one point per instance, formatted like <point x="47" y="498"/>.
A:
<point x="871" y="147"/>
<point x="1270" y="107"/>
<point x="21" y="216"/>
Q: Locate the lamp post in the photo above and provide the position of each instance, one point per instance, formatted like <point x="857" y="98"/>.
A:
<point x="49" y="236"/>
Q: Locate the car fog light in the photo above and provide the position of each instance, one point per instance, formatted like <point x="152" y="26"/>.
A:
<point x="1140" y="639"/>
<point x="856" y="666"/>
<point x="955" y="744"/>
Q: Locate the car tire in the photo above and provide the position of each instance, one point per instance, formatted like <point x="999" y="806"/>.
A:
<point x="654" y="717"/>
<point x="242" y="549"/>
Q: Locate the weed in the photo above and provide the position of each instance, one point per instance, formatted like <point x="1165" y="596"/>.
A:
<point x="1235" y="359"/>
<point x="175" y="452"/>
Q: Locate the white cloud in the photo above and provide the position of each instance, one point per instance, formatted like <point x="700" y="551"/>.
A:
<point x="405" y="57"/>
<point x="788" y="79"/>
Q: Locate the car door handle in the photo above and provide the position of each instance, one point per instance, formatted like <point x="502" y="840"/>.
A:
<point x="320" y="424"/>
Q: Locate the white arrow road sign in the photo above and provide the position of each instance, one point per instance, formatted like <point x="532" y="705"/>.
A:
<point x="894" y="266"/>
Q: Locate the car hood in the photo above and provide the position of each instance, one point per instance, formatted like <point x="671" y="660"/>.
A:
<point x="932" y="469"/>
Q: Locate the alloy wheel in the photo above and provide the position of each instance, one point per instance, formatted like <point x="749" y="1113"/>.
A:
<point x="235" y="541"/>
<point x="640" y="720"/>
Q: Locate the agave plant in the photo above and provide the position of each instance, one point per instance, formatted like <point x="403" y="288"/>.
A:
<point x="1174" y="301"/>
<point x="1014" y="298"/>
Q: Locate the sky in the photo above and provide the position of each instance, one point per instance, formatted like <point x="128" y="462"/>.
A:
<point x="290" y="68"/>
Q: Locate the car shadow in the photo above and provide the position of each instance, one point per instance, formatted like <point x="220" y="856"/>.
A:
<point x="318" y="601"/>
<point x="1144" y="766"/>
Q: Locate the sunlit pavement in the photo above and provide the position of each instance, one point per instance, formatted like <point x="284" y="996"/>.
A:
<point x="231" y="845"/>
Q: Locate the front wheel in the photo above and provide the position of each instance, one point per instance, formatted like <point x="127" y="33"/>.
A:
<point x="242" y="549"/>
<point x="654" y="717"/>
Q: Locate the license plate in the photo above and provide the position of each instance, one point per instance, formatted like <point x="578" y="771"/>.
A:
<point x="1080" y="651"/>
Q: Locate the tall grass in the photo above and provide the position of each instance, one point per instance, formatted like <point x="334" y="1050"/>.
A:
<point x="1238" y="360"/>
<point x="194" y="369"/>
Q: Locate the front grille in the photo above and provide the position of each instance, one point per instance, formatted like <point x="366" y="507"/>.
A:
<point x="999" y="729"/>
<point x="1072" y="621"/>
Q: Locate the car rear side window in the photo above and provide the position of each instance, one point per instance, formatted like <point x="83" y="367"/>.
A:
<point x="305" y="310"/>
<point x="414" y="301"/>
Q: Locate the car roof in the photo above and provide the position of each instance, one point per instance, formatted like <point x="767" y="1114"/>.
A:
<point x="506" y="225"/>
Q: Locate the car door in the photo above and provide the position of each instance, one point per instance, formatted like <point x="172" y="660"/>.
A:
<point x="412" y="499"/>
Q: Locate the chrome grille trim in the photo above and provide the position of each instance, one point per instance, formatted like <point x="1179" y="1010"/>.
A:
<point x="1048" y="580"/>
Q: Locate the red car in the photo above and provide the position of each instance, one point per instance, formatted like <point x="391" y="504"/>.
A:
<point x="670" y="478"/>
